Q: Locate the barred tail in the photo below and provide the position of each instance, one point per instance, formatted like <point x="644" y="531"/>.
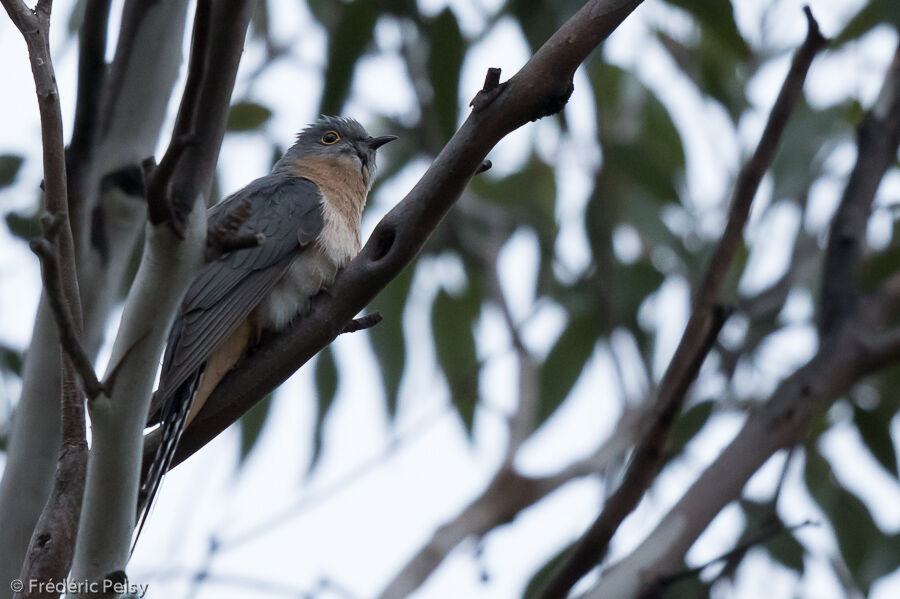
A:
<point x="173" y="416"/>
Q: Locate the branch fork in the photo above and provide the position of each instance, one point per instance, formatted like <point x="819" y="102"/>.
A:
<point x="47" y="249"/>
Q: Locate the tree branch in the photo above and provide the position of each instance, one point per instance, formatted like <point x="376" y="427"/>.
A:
<point x="106" y="215"/>
<point x="878" y="138"/>
<point x="162" y="205"/>
<point x="645" y="462"/>
<point x="540" y="88"/>
<point x="360" y="324"/>
<point x="762" y="536"/>
<point x="167" y="267"/>
<point x="52" y="542"/>
<point x="91" y="83"/>
<point x="507" y="495"/>
<point x="702" y="329"/>
<point x="48" y="252"/>
<point x="781" y="422"/>
<point x="855" y="347"/>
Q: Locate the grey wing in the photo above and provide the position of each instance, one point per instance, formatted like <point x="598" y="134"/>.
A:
<point x="288" y="212"/>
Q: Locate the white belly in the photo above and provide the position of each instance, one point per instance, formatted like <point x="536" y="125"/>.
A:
<point x="308" y="274"/>
<point x="311" y="271"/>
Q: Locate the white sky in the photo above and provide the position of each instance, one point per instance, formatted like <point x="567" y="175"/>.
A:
<point x="366" y="509"/>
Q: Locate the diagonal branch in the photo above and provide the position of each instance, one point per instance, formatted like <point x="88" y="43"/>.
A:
<point x="539" y="89"/>
<point x="699" y="335"/>
<point x="767" y="533"/>
<point x="46" y="248"/>
<point x="855" y="346"/>
<point x="878" y="137"/>
<point x="508" y="494"/>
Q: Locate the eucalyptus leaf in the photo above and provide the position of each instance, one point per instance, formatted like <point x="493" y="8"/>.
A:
<point x="448" y="48"/>
<point x="251" y="426"/>
<point x="387" y="338"/>
<point x="348" y="36"/>
<point x="9" y="168"/>
<point x="247" y="116"/>
<point x="452" y="319"/>
<point x="326" y="377"/>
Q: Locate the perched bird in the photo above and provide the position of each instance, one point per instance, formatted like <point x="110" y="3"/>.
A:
<point x="309" y="210"/>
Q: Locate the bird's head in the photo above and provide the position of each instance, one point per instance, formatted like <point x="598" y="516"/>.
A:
<point x="339" y="138"/>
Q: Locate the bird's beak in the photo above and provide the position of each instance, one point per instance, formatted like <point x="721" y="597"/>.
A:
<point x="377" y="142"/>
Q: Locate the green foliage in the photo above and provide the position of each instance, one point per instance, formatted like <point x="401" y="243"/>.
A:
<point x="452" y="320"/>
<point x="687" y="587"/>
<point x="23" y="227"/>
<point x="448" y="48"/>
<point x="639" y="185"/>
<point x="718" y="59"/>
<point x="528" y="196"/>
<point x="564" y="364"/>
<point x="247" y="116"/>
<point x="326" y="376"/>
<point x="872" y="14"/>
<point x="809" y="137"/>
<point x="10" y="360"/>
<point x="764" y="524"/>
<point x="252" y="424"/>
<point x="716" y="17"/>
<point x="350" y="27"/>
<point x="539" y="20"/>
<point x="387" y="338"/>
<point x="878" y="267"/>
<point x="868" y="552"/>
<point x="689" y="424"/>
<point x="542" y="576"/>
<point x="9" y="168"/>
<point x="875" y="430"/>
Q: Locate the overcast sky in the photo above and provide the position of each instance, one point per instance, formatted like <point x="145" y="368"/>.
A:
<point x="381" y="488"/>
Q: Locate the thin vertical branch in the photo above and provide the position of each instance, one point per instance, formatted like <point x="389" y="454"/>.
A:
<point x="878" y="137"/>
<point x="52" y="543"/>
<point x="699" y="335"/>
<point x="171" y="257"/>
<point x="91" y="80"/>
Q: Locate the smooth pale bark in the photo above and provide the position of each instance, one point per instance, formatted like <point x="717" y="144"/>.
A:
<point x="132" y="135"/>
<point x="108" y="513"/>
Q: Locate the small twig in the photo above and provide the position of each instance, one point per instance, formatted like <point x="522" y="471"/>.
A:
<point x="485" y="166"/>
<point x="489" y="92"/>
<point x="366" y="322"/>
<point x="257" y="585"/>
<point x="741" y="548"/>
<point x="782" y="477"/>
<point x="68" y="337"/>
<point x="52" y="543"/>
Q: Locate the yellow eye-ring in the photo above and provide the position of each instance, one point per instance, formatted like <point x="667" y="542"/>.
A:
<point x="330" y="138"/>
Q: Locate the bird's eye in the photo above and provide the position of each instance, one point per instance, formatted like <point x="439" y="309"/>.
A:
<point x="331" y="137"/>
